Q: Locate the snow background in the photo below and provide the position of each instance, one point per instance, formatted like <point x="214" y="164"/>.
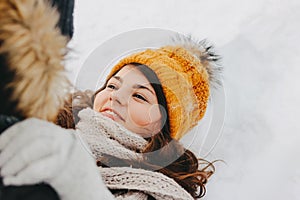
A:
<point x="259" y="43"/>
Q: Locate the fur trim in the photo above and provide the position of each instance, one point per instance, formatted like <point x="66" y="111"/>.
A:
<point x="203" y="51"/>
<point x="34" y="50"/>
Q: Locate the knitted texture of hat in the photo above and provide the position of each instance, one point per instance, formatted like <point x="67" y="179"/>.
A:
<point x="185" y="83"/>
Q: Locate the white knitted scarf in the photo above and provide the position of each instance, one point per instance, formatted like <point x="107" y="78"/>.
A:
<point x="104" y="136"/>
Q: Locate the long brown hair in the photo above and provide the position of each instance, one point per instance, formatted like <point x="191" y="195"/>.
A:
<point x="162" y="154"/>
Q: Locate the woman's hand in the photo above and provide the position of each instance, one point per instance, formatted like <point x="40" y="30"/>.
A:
<point x="35" y="151"/>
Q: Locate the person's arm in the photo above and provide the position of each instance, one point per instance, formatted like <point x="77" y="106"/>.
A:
<point x="35" y="151"/>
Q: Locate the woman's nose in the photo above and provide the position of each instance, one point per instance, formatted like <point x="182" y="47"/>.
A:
<point x="118" y="97"/>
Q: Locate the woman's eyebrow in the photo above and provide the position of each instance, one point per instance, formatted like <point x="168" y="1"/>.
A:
<point x="118" y="78"/>
<point x="137" y="86"/>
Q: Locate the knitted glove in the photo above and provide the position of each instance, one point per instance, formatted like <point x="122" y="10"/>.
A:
<point x="35" y="151"/>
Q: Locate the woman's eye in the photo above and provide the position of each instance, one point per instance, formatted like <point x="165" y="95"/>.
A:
<point x="140" y="97"/>
<point x="111" y="86"/>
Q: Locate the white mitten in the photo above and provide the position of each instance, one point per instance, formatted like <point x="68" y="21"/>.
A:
<point x="35" y="151"/>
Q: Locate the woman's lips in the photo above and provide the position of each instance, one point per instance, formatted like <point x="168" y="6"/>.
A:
<point x="111" y="114"/>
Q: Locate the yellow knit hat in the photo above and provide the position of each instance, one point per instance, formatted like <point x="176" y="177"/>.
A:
<point x="185" y="72"/>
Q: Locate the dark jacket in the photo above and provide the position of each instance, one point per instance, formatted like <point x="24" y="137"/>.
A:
<point x="65" y="8"/>
<point x="31" y="192"/>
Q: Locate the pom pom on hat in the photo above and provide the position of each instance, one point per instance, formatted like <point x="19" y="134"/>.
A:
<point x="187" y="69"/>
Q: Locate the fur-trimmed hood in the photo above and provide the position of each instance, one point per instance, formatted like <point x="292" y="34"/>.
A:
<point x="32" y="49"/>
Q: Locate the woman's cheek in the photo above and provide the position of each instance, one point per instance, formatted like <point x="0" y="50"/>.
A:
<point x="143" y="115"/>
<point x="100" y="100"/>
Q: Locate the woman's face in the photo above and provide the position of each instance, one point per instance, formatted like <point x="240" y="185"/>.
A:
<point x="130" y="100"/>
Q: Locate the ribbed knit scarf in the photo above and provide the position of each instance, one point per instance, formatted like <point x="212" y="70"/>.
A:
<point x="104" y="136"/>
